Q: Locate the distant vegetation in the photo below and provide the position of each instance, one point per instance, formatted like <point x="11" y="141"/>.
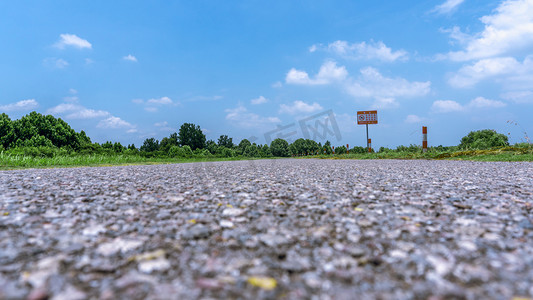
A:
<point x="45" y="140"/>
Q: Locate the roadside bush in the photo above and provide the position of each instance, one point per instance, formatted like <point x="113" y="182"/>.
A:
<point x="484" y="139"/>
<point x="36" y="151"/>
<point x="411" y="148"/>
<point x="384" y="150"/>
<point x="205" y="153"/>
<point x="340" y="150"/>
<point x="131" y="152"/>
<point x="187" y="151"/>
<point x="176" y="151"/>
<point x="225" y="152"/>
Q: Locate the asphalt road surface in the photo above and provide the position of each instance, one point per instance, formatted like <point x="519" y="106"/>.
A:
<point x="280" y="229"/>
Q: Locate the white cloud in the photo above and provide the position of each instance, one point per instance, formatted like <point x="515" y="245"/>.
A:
<point x="242" y="118"/>
<point x="445" y="106"/>
<point x="73" y="41"/>
<point x="359" y="51"/>
<point x="277" y="84"/>
<point x="507" y="69"/>
<point x="20" y="105"/>
<point x="509" y="29"/>
<point x="372" y="84"/>
<point x="163" y="126"/>
<point x="73" y="91"/>
<point x="114" y="123"/>
<point x="55" y="63"/>
<point x="259" y="100"/>
<point x="87" y="113"/>
<point x="151" y="109"/>
<point x="447" y="7"/>
<point x="152" y="105"/>
<point x="412" y="119"/>
<point x="298" y="107"/>
<point x="328" y="73"/>
<point x="297" y="77"/>
<point x="130" y="57"/>
<point x="76" y="111"/>
<point x="385" y="103"/>
<point x="519" y="96"/>
<point x="72" y="99"/>
<point x="204" y="98"/>
<point x="63" y="107"/>
<point x="369" y="84"/>
<point x="472" y="74"/>
<point x="457" y="35"/>
<point x="160" y="101"/>
<point x="481" y="102"/>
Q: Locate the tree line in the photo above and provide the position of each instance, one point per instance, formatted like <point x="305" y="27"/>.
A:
<point x="44" y="135"/>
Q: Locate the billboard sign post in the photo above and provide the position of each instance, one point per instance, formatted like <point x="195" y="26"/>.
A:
<point x="367" y="117"/>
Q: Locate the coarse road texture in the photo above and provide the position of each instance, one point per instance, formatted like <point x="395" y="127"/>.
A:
<point x="290" y="229"/>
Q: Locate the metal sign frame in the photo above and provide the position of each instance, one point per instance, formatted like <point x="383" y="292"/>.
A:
<point x="367" y="117"/>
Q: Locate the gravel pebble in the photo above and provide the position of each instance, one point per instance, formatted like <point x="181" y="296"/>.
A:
<point x="288" y="229"/>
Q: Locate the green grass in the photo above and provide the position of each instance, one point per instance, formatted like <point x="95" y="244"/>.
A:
<point x="498" y="154"/>
<point x="9" y="161"/>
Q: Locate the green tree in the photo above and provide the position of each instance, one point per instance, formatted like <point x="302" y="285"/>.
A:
<point x="484" y="139"/>
<point x="191" y="135"/>
<point x="168" y="142"/>
<point x="251" y="151"/>
<point x="7" y="133"/>
<point x="150" y="145"/>
<point x="36" y="141"/>
<point x="265" y="151"/>
<point x="242" y="146"/>
<point x="84" y="139"/>
<point x="299" y="147"/>
<point x="107" y="145"/>
<point x="225" y="141"/>
<point x="279" y="147"/>
<point x="56" y="130"/>
<point x="359" y="149"/>
<point x="118" y="148"/>
<point x="211" y="146"/>
<point x="327" y="147"/>
<point x="340" y="150"/>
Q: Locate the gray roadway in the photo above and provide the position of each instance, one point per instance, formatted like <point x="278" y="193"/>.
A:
<point x="293" y="228"/>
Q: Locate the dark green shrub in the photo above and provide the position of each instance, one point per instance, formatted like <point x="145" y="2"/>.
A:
<point x="176" y="151"/>
<point x="340" y="150"/>
<point x="484" y="139"/>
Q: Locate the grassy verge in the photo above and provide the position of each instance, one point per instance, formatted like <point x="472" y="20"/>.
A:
<point x="9" y="161"/>
<point x="499" y="154"/>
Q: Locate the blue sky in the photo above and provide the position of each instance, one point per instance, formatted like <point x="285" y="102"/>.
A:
<point x="129" y="70"/>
